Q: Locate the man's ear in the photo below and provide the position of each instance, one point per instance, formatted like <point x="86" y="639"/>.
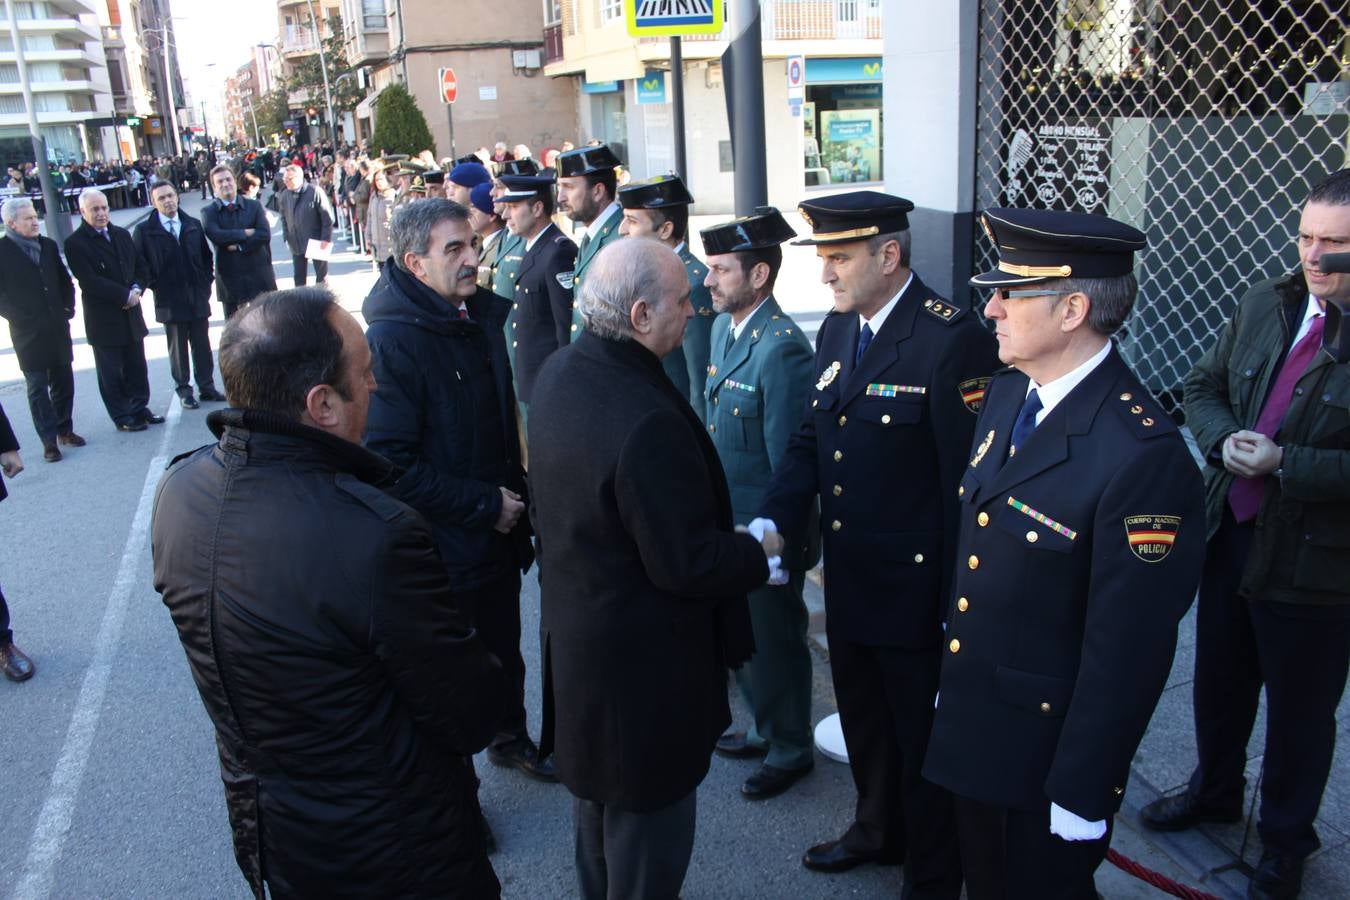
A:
<point x="1073" y="311"/>
<point x="666" y="231"/>
<point x="414" y="265"/>
<point x="641" y="316"/>
<point x="320" y="405"/>
<point x="759" y="275"/>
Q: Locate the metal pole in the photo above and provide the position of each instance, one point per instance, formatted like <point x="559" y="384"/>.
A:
<point x="168" y="89"/>
<point x="58" y="227"/>
<point x="677" y="99"/>
<point x="323" y="70"/>
<point x="450" y="121"/>
<point x="257" y="136"/>
<point x="747" y="90"/>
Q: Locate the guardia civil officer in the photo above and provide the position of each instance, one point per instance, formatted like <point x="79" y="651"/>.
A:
<point x="1082" y="537"/>
<point x="757" y="384"/>
<point x="510" y="252"/>
<point x="899" y="376"/>
<point x="587" y="184"/>
<point x="659" y="209"/>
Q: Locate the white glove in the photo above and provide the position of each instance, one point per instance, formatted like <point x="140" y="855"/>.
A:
<point x="1073" y="828"/>
<point x="760" y="527"/>
<point x="777" y="576"/>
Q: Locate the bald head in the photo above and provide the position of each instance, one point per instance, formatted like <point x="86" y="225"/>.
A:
<point x="637" y="290"/>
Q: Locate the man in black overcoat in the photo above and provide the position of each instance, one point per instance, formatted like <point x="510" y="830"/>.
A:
<point x="111" y="274"/>
<point x="237" y="227"/>
<point x="305" y="215"/>
<point x="643" y="579"/>
<point x="37" y="297"/>
<point x="13" y="662"/>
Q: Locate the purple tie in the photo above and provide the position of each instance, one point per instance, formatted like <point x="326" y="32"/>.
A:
<point x="1245" y="495"/>
<point x="462" y="313"/>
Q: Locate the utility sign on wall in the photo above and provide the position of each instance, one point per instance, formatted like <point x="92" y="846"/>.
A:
<point x="672" y="17"/>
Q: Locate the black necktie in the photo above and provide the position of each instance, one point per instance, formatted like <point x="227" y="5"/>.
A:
<point x="864" y="341"/>
<point x="1026" y="421"/>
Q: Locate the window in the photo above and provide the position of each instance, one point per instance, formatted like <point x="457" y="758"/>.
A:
<point x="610" y="11"/>
<point x="373" y="15"/>
<point x="552" y="12"/>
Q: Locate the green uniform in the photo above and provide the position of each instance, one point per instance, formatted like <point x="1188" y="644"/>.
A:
<point x="687" y="365"/>
<point x="586" y="251"/>
<point x="510" y="251"/>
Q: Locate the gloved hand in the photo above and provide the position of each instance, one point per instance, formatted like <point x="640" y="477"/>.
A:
<point x="777" y="576"/>
<point x="1072" y="827"/>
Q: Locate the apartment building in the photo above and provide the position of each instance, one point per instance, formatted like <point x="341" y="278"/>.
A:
<point x="301" y="24"/>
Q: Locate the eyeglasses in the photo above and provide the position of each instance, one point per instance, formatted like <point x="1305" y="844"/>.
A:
<point x="1013" y="295"/>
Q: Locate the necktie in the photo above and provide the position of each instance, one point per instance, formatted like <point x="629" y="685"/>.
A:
<point x="462" y="313"/>
<point x="1026" y="421"/>
<point x="107" y="237"/>
<point x="864" y="341"/>
<point x="585" y="239"/>
<point x="173" y="228"/>
<point x="731" y="342"/>
<point x="1245" y="495"/>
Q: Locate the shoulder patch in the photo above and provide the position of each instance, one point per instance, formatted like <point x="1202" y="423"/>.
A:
<point x="1141" y="413"/>
<point x="566" y="279"/>
<point x="972" y="392"/>
<point x="942" y="310"/>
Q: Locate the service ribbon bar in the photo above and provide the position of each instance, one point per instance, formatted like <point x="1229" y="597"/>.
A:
<point x="748" y="388"/>
<point x="892" y="390"/>
<point x="1042" y="518"/>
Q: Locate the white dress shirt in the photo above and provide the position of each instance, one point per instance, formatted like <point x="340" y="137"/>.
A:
<point x="1055" y="391"/>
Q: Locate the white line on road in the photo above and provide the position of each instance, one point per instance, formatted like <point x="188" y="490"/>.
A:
<point x="54" y="821"/>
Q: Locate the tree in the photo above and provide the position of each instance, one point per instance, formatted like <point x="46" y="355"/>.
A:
<point x="400" y="126"/>
<point x="271" y="110"/>
<point x="307" y="75"/>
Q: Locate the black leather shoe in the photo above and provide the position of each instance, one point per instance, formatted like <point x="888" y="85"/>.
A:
<point x="734" y="745"/>
<point x="1180" y="811"/>
<point x="522" y="754"/>
<point x="770" y="781"/>
<point x="51" y="452"/>
<point x="131" y="426"/>
<point x="833" y="856"/>
<point x="189" y="402"/>
<point x="150" y="418"/>
<point x="1276" y="878"/>
<point x="71" y="439"/>
<point x="15" y="663"/>
<point x="211" y="396"/>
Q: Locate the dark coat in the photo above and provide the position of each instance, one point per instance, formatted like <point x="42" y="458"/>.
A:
<point x="543" y="310"/>
<point x="305" y="215"/>
<point x="884" y="447"/>
<point x="643" y="580"/>
<point x="346" y="689"/>
<point x="436" y="375"/>
<point x="106" y="271"/>
<point x="243" y="263"/>
<point x="179" y="271"/>
<point x="8" y="443"/>
<point x="1078" y="557"/>
<point x="38" y="301"/>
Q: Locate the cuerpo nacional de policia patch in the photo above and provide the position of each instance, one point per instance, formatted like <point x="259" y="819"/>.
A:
<point x="1151" y="537"/>
<point x="972" y="392"/>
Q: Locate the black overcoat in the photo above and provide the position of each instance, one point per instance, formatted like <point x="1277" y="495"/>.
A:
<point x="8" y="442"/>
<point x="38" y="301"/>
<point x="106" y="270"/>
<point x="179" y="271"/>
<point x="543" y="304"/>
<point x="243" y="263"/>
<point x="305" y="215"/>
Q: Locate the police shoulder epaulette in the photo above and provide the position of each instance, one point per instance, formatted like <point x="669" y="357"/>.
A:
<point x="942" y="310"/>
<point x="1141" y="413"/>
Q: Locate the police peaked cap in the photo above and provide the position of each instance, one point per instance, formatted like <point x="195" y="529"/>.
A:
<point x="765" y="228"/>
<point x="585" y="160"/>
<point x="655" y="193"/>
<point x="1036" y="245"/>
<point x="518" y="167"/>
<point x="855" y="216"/>
<point x="524" y="187"/>
<point x="435" y="176"/>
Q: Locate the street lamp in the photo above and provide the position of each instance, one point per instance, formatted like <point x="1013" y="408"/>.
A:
<point x="164" y="45"/>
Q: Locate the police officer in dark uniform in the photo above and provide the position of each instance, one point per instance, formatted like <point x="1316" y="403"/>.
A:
<point x="659" y="209"/>
<point x="1082" y="537"/>
<point x="901" y="372"/>
<point x="511" y="251"/>
<point x="587" y="184"/>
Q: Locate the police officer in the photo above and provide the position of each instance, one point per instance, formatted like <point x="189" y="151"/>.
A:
<point x="1081" y="541"/>
<point x="900" y="373"/>
<point x="756" y="390"/>
<point x="659" y="209"/>
<point x="587" y="184"/>
<point x="512" y="249"/>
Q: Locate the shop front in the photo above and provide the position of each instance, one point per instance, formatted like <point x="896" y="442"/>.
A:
<point x="842" y="121"/>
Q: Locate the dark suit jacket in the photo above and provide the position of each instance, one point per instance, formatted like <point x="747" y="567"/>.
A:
<point x="305" y="215"/>
<point x="543" y="305"/>
<point x="884" y="447"/>
<point x="243" y="264"/>
<point x="178" y="271"/>
<point x="38" y="301"/>
<point x="8" y="442"/>
<point x="1078" y="556"/>
<point x="643" y="579"/>
<point x="106" y="271"/>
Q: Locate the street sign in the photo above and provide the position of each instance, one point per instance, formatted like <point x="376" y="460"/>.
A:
<point x="449" y="86"/>
<point x="796" y="78"/>
<point x="646" y="18"/>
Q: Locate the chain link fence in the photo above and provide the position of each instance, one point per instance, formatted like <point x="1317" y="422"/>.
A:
<point x="1201" y="122"/>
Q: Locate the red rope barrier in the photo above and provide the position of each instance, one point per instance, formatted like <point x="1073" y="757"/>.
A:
<point x="1157" y="879"/>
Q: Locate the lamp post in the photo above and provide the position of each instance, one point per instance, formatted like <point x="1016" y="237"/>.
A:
<point x="323" y="69"/>
<point x="168" y="88"/>
<point x="257" y="137"/>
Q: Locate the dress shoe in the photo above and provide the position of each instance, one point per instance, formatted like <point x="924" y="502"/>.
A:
<point x="71" y="439"/>
<point x="1276" y="878"/>
<point x="150" y="418"/>
<point x="189" y="402"/>
<point x="522" y="754"/>
<point x="734" y="745"/>
<point x="131" y="426"/>
<point x="51" y="453"/>
<point x="1181" y="811"/>
<point x="833" y="856"/>
<point x="770" y="781"/>
<point x="16" y="664"/>
<point x="211" y="395"/>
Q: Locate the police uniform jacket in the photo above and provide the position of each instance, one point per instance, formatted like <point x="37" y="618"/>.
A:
<point x="608" y="234"/>
<point x="243" y="263"/>
<point x="179" y="270"/>
<point x="687" y="364"/>
<point x="884" y="446"/>
<point x="106" y="268"/>
<point x="1078" y="557"/>
<point x="38" y="301"/>
<point x="543" y="304"/>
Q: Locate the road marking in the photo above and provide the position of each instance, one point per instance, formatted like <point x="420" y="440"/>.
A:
<point x="53" y="822"/>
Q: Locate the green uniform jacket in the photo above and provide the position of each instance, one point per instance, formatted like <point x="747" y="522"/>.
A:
<point x="585" y="253"/>
<point x="510" y="249"/>
<point x="756" y="397"/>
<point x="687" y="365"/>
<point x="1302" y="536"/>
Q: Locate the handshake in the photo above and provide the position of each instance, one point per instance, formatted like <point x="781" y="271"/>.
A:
<point x="766" y="532"/>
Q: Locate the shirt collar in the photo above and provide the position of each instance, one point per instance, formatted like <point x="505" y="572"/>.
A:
<point x="737" y="329"/>
<point x="879" y="318"/>
<point x="593" y="229"/>
<point x="679" y="248"/>
<point x="1055" y="391"/>
<point x="534" y="240"/>
<point x="487" y="241"/>
<point x="165" y="220"/>
<point x="1311" y="310"/>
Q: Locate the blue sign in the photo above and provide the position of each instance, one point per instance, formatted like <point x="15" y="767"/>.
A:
<point x="843" y="70"/>
<point x="850" y="130"/>
<point x="651" y="88"/>
<point x="599" y="87"/>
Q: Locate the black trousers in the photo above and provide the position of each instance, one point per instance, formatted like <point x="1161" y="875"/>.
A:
<point x="5" y="634"/>
<point x="885" y="697"/>
<point x="495" y="608"/>
<point x="190" y="339"/>
<point x="1301" y="655"/>
<point x="51" y="397"/>
<point x="622" y="855"/>
<point x="300" y="266"/>
<point x="123" y="381"/>
<point x="1010" y="854"/>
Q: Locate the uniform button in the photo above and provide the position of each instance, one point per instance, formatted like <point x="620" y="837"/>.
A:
<point x="513" y="325"/>
<point x="843" y="420"/>
<point x="1032" y="537"/>
<point x="961" y="491"/>
<point x="513" y="343"/>
<point x="574" y="328"/>
<point x="1045" y="707"/>
<point x="815" y="403"/>
<point x="712" y="428"/>
<point x="983" y="519"/>
<point x="1118" y="791"/>
<point x="955" y="645"/>
<point x="886" y="419"/>
<point x="527" y="290"/>
<point x="1298" y="392"/>
<point x="838" y="455"/>
<point x="1136" y="409"/>
<point x="838" y="489"/>
<point x="962" y="605"/>
<point x="1127" y="396"/>
<point x="836" y="525"/>
<point x="1248" y="373"/>
<point x="973" y="562"/>
<point x="515" y="306"/>
<point x="735" y="410"/>
<point x="716" y="400"/>
<point x="1326" y="398"/>
<point x="918" y="558"/>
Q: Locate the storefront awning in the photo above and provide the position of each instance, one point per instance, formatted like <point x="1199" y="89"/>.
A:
<point x="367" y="106"/>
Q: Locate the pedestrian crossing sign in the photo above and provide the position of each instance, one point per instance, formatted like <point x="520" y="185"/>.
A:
<point x="672" y="17"/>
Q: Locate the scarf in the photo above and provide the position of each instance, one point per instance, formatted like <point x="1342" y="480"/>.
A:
<point x="30" y="246"/>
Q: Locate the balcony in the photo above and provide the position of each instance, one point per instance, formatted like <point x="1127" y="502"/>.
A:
<point x="553" y="43"/>
<point x="297" y="41"/>
<point x="71" y="28"/>
<point x="64" y="86"/>
<point x="79" y="55"/>
<point x="367" y="46"/>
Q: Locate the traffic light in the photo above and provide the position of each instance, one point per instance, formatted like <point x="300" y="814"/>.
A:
<point x="313" y="114"/>
<point x="290" y="131"/>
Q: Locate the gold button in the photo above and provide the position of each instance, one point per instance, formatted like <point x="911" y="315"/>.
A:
<point x="962" y="605"/>
<point x="1032" y="537"/>
<point x="1147" y="423"/>
<point x="574" y="328"/>
<point x="843" y="420"/>
<point x="815" y="403"/>
<point x="836" y="524"/>
<point x="712" y="428"/>
<point x="838" y="489"/>
<point x="973" y="562"/>
<point x="1136" y="409"/>
<point x="735" y="410"/>
<point x="1127" y="397"/>
<point x="983" y="519"/>
<point x="918" y="558"/>
<point x="886" y="419"/>
<point x="1045" y="707"/>
<point x="961" y="491"/>
<point x="838" y="455"/>
<point x="513" y="343"/>
<point x="955" y="645"/>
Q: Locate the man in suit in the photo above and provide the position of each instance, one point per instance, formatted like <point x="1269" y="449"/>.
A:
<point x="587" y="183"/>
<point x="901" y="371"/>
<point x="305" y="216"/>
<point x="643" y="579"/>
<point x="543" y="295"/>
<point x="757" y="385"/>
<point x="237" y="227"/>
<point x="37" y="298"/>
<point x="659" y="209"/>
<point x="1267" y="405"/>
<point x="13" y="662"/>
<point x="1081" y="541"/>
<point x="110" y="272"/>
<point x="510" y="251"/>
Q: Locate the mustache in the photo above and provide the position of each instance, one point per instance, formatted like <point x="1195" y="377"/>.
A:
<point x="467" y="272"/>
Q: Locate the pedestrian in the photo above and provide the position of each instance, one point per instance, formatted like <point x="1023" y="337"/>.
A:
<point x="1267" y="406"/>
<point x="202" y="169"/>
<point x="111" y="274"/>
<point x="901" y="370"/>
<point x="238" y="228"/>
<point x="37" y="298"/>
<point x="642" y="579"/>
<point x="586" y="191"/>
<point x="380" y="214"/>
<point x="13" y="662"/>
<point x="347" y="690"/>
<point x="659" y="209"/>
<point x="358" y="196"/>
<point x="179" y="270"/>
<point x="1080" y="545"/>
<point x="306" y="217"/>
<point x="445" y="412"/>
